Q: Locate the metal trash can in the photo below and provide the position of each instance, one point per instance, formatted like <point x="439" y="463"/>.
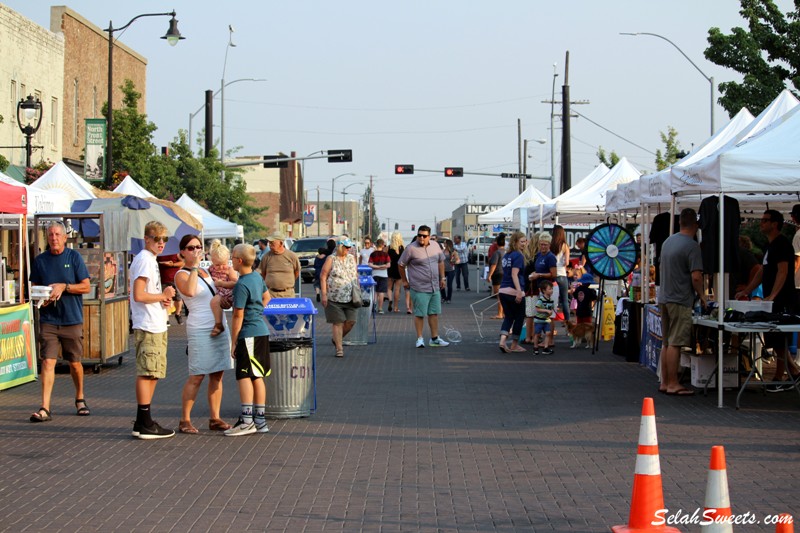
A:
<point x="360" y="334"/>
<point x="291" y="385"/>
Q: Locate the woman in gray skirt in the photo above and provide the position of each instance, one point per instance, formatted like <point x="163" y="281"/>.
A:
<point x="207" y="355"/>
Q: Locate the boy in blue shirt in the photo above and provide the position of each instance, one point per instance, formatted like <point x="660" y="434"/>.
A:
<point x="249" y="342"/>
<point x="545" y="307"/>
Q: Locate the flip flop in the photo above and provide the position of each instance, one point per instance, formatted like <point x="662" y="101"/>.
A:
<point x="518" y="349"/>
<point x="185" y="426"/>
<point x="680" y="392"/>
<point x="339" y="353"/>
<point x="504" y="349"/>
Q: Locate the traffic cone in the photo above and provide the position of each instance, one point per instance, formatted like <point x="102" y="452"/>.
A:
<point x="648" y="497"/>
<point x="718" y="503"/>
<point x="785" y="524"/>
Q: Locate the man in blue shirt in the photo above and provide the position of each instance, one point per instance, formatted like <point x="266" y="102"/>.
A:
<point x="61" y="316"/>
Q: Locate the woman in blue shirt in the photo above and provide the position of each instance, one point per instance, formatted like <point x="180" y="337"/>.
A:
<point x="512" y="293"/>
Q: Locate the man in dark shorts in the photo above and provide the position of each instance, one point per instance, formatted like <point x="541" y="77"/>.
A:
<point x="250" y="342"/>
<point x="776" y="278"/>
<point x="61" y="316"/>
<point x="681" y="277"/>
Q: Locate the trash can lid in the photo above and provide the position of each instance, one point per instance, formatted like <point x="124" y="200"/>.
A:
<point x="366" y="281"/>
<point x="364" y="269"/>
<point x="290" y="306"/>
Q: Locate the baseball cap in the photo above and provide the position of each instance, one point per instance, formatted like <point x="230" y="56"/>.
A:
<point x="277" y="236"/>
<point x="347" y="243"/>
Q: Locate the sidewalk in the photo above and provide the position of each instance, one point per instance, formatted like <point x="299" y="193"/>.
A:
<point x="462" y="438"/>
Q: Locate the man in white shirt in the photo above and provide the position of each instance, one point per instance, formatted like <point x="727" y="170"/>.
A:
<point x="462" y="267"/>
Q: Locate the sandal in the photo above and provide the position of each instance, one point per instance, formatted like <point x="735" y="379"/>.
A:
<point x="216" y="424"/>
<point x="82" y="411"/>
<point x="185" y="426"/>
<point x="339" y="353"/>
<point x="218" y="328"/>
<point x="42" y="415"/>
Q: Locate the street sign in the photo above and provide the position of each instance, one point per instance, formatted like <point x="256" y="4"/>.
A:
<point x="308" y="218"/>
<point x="515" y="176"/>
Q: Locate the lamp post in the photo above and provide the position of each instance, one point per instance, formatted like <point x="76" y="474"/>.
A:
<point x="31" y="109"/>
<point x="172" y="36"/>
<point x="525" y="160"/>
<point x="333" y="183"/>
<point x="709" y="79"/>
<point x="222" y="99"/>
<point x="343" y="204"/>
<point x="192" y="115"/>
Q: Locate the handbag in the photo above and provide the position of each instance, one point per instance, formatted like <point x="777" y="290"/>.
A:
<point x="355" y="290"/>
<point x="530" y="306"/>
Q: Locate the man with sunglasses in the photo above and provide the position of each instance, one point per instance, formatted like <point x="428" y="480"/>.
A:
<point x="776" y="278"/>
<point x="422" y="270"/>
<point x="149" y="305"/>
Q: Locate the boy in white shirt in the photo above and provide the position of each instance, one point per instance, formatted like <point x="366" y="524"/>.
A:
<point x="149" y="305"/>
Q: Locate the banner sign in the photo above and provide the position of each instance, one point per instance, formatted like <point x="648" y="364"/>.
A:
<point x="17" y="357"/>
<point x="94" y="162"/>
<point x="651" y="338"/>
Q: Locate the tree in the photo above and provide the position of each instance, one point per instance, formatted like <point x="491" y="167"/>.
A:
<point x="365" y="224"/>
<point x="766" y="55"/>
<point x="607" y="160"/>
<point x="671" y="152"/>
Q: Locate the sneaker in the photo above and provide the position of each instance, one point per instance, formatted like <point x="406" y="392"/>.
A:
<point x="547" y="351"/>
<point x="240" y="428"/>
<point x="467" y="289"/>
<point x="536" y="351"/>
<point x="778" y="388"/>
<point x="261" y="427"/>
<point x="420" y="343"/>
<point x="380" y="311"/>
<point x="437" y="342"/>
<point x="151" y="432"/>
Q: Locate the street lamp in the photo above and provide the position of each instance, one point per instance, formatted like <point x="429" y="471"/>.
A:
<point x="344" y="209"/>
<point x="710" y="79"/>
<point x="222" y="99"/>
<point x="525" y="162"/>
<point x="172" y="37"/>
<point x="333" y="183"/>
<point x="30" y="109"/>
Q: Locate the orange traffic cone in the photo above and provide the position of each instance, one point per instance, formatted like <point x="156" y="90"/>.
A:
<point x="785" y="524"/>
<point x="648" y="497"/>
<point x="718" y="503"/>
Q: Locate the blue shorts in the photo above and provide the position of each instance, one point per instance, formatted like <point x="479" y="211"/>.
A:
<point x="541" y="327"/>
<point x="426" y="303"/>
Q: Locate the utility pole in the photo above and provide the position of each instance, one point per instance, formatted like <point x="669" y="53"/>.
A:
<point x="520" y="165"/>
<point x="319" y="212"/>
<point x="566" y="116"/>
<point x="371" y="196"/>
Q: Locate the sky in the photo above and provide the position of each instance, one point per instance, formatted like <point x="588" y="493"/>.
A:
<point x="431" y="83"/>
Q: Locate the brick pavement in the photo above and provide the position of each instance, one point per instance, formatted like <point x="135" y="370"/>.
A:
<point x="462" y="438"/>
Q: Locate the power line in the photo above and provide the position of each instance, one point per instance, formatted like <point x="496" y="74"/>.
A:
<point x="614" y="134"/>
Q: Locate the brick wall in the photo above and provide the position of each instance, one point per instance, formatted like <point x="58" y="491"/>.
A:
<point x="32" y="64"/>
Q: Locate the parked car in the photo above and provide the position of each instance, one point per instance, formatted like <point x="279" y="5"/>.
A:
<point x="306" y="250"/>
<point x="478" y="247"/>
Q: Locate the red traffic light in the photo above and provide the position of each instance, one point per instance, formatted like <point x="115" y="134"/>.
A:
<point x="453" y="172"/>
<point x="404" y="169"/>
<point x="413" y="227"/>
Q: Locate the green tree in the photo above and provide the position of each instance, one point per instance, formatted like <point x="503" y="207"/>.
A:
<point x="608" y="160"/>
<point x="365" y="218"/>
<point x="766" y="55"/>
<point x="672" y="149"/>
<point x="3" y="163"/>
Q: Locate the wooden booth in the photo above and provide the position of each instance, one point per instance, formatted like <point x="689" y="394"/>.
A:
<point x="102" y="241"/>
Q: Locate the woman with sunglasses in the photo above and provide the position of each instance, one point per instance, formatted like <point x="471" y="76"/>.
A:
<point x="208" y="355"/>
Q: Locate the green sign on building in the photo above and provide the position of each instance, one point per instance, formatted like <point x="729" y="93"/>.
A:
<point x="94" y="163"/>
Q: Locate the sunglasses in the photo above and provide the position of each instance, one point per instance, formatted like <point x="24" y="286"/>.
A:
<point x="159" y="239"/>
<point x="422" y="236"/>
<point x="193" y="248"/>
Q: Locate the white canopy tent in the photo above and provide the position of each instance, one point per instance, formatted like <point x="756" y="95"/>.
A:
<point x="130" y="187"/>
<point x="60" y="176"/>
<point x="41" y="200"/>
<point x="529" y="198"/>
<point x="214" y="227"/>
<point x="589" y="204"/>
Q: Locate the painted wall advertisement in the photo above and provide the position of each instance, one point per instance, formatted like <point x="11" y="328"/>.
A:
<point x="94" y="164"/>
<point x="17" y="362"/>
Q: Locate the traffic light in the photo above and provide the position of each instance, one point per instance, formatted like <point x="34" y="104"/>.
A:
<point x="396" y="226"/>
<point x="340" y="156"/>
<point x="383" y="225"/>
<point x="453" y="172"/>
<point x="413" y="227"/>
<point x="404" y="169"/>
<point x="279" y="164"/>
